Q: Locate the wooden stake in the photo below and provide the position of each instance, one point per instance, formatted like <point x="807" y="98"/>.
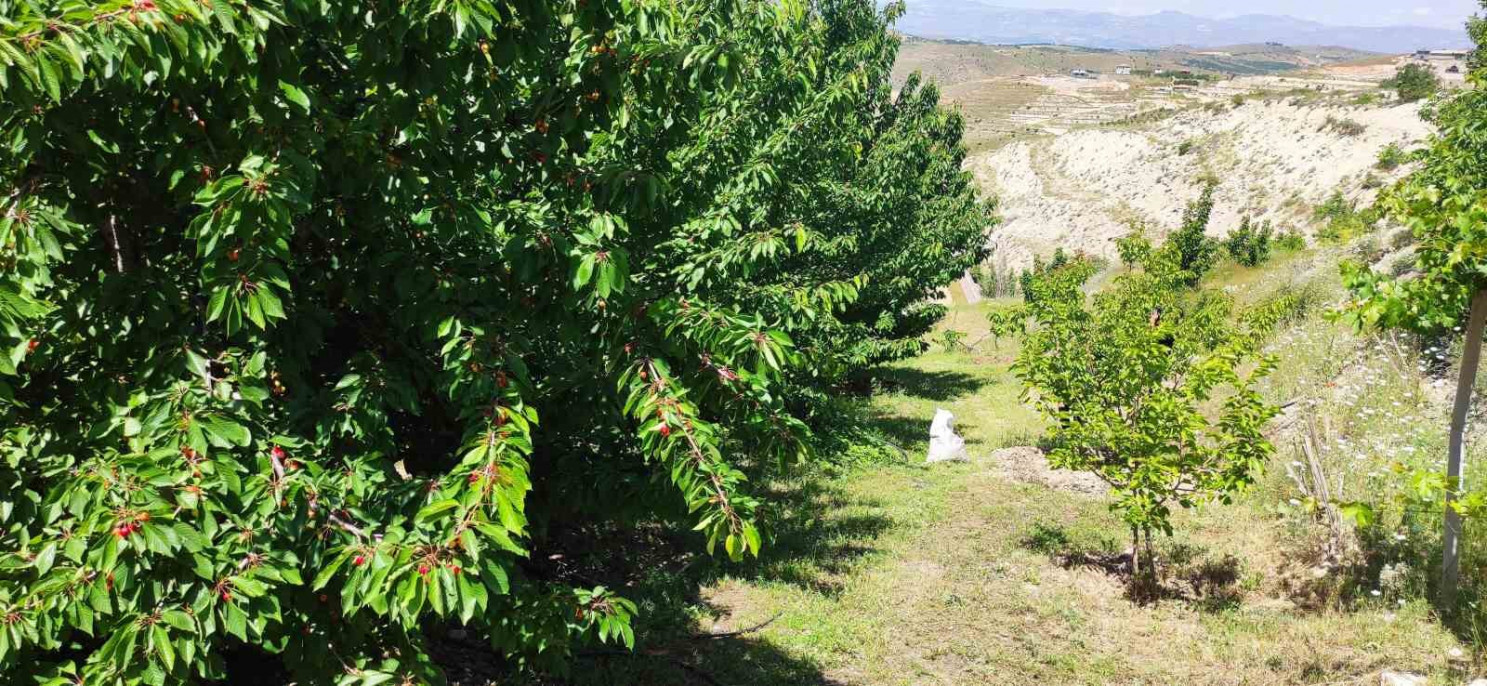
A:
<point x="1471" y="356"/>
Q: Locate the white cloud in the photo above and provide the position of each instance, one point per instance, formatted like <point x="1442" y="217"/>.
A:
<point x="1422" y="11"/>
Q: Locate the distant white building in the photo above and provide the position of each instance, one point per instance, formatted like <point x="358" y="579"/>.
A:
<point x="1432" y="55"/>
<point x="1123" y="70"/>
<point x="1079" y="73"/>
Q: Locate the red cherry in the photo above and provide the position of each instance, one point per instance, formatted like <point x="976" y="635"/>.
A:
<point x="232" y="255"/>
<point x="226" y="597"/>
<point x="33" y="345"/>
<point x="423" y="569"/>
<point x="359" y="560"/>
<point x="277" y="452"/>
<point x="455" y="569"/>
<point x="665" y="430"/>
<point x="122" y="531"/>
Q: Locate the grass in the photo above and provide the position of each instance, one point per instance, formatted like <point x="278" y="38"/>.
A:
<point x="905" y="574"/>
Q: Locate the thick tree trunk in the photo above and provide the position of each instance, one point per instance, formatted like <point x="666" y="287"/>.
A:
<point x="1471" y="356"/>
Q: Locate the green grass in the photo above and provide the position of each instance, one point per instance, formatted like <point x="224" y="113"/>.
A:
<point x="907" y="574"/>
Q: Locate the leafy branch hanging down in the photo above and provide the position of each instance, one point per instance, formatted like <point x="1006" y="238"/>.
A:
<point x="323" y="325"/>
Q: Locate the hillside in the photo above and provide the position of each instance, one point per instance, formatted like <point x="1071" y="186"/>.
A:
<point x="956" y="62"/>
<point x="1275" y="159"/>
<point x="988" y="23"/>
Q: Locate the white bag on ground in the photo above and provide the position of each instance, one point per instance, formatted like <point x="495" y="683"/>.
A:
<point x="944" y="445"/>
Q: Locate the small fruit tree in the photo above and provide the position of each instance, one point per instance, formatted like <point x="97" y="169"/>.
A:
<point x="324" y="324"/>
<point x="1195" y="251"/>
<point x="1151" y="387"/>
<point x="1445" y="204"/>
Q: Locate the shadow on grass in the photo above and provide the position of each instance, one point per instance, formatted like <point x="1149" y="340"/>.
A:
<point x="817" y="532"/>
<point x="740" y="661"/>
<point x="936" y="386"/>
<point x="910" y="434"/>
<point x="1186" y="573"/>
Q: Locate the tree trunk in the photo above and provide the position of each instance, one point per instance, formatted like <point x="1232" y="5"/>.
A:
<point x="1143" y="566"/>
<point x="1471" y="355"/>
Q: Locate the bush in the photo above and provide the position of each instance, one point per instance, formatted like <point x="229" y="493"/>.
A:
<point x="995" y="280"/>
<point x="1343" y="126"/>
<point x="1414" y="82"/>
<point x="396" y="304"/>
<point x="1335" y="206"/>
<point x="1391" y="157"/>
<point x="1344" y="221"/>
<point x="1290" y="240"/>
<point x="1248" y="245"/>
<point x="1186" y="147"/>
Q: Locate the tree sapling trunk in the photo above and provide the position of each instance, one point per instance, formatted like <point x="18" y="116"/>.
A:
<point x="1470" y="357"/>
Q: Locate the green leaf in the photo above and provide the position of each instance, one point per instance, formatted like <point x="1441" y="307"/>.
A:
<point x="329" y="571"/>
<point x="585" y="272"/>
<point x="435" y="509"/>
<point x="225" y="433"/>
<point x="45" y="558"/>
<point x="161" y="640"/>
<point x="295" y="95"/>
<point x="1360" y="514"/>
<point x="180" y="620"/>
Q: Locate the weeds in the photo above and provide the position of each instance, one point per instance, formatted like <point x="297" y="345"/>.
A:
<point x="1343" y="126"/>
<point x="1391" y="157"/>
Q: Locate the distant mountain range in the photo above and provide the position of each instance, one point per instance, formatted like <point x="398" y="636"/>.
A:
<point x="984" y="22"/>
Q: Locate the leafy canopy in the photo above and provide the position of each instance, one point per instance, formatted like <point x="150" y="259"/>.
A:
<point x="1444" y="203"/>
<point x="1149" y="385"/>
<point x="1414" y="82"/>
<point x="325" y="323"/>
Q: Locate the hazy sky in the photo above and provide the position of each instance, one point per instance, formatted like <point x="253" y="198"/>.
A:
<point x="1438" y="13"/>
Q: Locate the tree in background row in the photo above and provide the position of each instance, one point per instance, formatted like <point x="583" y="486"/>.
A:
<point x="327" y="322"/>
<point x="1250" y="245"/>
<point x="1193" y="249"/>
<point x="1444" y="203"/>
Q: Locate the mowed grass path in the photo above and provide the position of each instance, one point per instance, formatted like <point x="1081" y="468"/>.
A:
<point x="908" y="574"/>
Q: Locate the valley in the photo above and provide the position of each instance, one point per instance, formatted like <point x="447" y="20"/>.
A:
<point x="1079" y="162"/>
